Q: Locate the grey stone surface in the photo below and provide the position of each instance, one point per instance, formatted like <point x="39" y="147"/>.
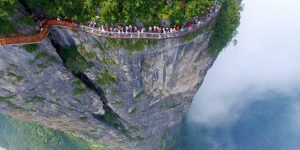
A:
<point x="154" y="87"/>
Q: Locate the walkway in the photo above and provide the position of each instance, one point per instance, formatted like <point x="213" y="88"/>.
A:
<point x="30" y="39"/>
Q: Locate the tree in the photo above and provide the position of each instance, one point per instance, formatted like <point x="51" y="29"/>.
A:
<point x="7" y="9"/>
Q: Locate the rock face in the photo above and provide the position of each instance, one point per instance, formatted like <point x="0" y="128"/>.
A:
<point x="149" y="89"/>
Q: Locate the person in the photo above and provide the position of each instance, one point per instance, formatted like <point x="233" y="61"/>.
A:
<point x="103" y="30"/>
<point x="190" y="25"/>
<point x="126" y="29"/>
<point x="209" y="14"/>
<point x="159" y="30"/>
<point x="122" y="30"/>
<point x="138" y="31"/>
<point x="199" y="22"/>
<point x="150" y="29"/>
<point x="90" y="24"/>
<point x="40" y="23"/>
<point x="214" y="9"/>
<point x="135" y="29"/>
<point x="143" y="30"/>
<point x="130" y="28"/>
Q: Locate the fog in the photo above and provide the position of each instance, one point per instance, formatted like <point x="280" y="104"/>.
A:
<point x="266" y="59"/>
<point x="250" y="98"/>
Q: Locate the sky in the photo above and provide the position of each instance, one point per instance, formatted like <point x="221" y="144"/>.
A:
<point x="266" y="59"/>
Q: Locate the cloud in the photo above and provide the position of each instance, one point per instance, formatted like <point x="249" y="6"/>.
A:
<point x="295" y="117"/>
<point x="266" y="59"/>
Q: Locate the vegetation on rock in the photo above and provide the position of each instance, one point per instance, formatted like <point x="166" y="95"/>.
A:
<point x="106" y="78"/>
<point x="79" y="88"/>
<point x="73" y="60"/>
<point x="226" y="26"/>
<point x="31" y="48"/>
<point x="7" y="10"/>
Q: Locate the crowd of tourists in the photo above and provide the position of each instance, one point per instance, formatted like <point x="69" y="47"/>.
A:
<point x="135" y="29"/>
<point x="151" y="29"/>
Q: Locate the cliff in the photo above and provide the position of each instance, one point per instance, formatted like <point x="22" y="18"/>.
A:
<point x="128" y="94"/>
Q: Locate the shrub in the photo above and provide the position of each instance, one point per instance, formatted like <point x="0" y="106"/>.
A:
<point x="106" y="78"/>
<point x="73" y="60"/>
<point x="30" y="48"/>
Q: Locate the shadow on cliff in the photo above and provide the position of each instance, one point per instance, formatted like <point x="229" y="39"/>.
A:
<point x="76" y="64"/>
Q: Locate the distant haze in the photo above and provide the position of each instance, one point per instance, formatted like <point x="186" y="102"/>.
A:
<point x="266" y="59"/>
